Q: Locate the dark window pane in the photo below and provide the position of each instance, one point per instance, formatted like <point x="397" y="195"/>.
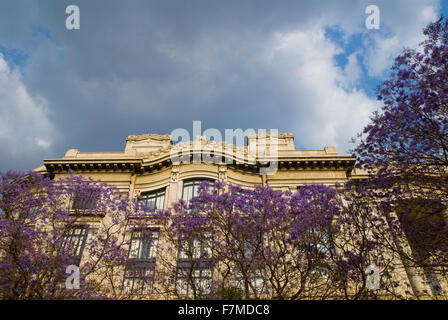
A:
<point x="191" y="188"/>
<point x="83" y="201"/>
<point x="194" y="266"/>
<point x="143" y="245"/>
<point x="75" y="239"/>
<point x="155" y="200"/>
<point x="139" y="271"/>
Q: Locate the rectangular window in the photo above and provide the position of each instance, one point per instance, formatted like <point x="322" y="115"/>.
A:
<point x="138" y="280"/>
<point x="144" y="245"/>
<point x="190" y="250"/>
<point x="248" y="246"/>
<point x="247" y="196"/>
<point x="194" y="267"/>
<point x="322" y="241"/>
<point x="139" y="273"/>
<point x="255" y="279"/>
<point x="201" y="278"/>
<point x="155" y="200"/>
<point x="75" y="239"/>
<point x="83" y="201"/>
<point x="196" y="248"/>
<point x="83" y="204"/>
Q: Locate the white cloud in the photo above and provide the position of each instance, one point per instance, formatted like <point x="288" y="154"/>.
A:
<point x="380" y="54"/>
<point x="352" y="71"/>
<point x="329" y="107"/>
<point x="158" y="69"/>
<point x="24" y="125"/>
<point x="326" y="111"/>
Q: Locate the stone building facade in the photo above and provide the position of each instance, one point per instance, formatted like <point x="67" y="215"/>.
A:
<point x="152" y="167"/>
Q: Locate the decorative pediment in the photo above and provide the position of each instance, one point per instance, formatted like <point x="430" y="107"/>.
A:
<point x="147" y="143"/>
<point x="149" y="136"/>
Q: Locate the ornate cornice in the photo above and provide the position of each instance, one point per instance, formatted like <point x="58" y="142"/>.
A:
<point x="92" y="165"/>
<point x="164" y="160"/>
<point x="152" y="136"/>
<point x="174" y="177"/>
<point x="154" y="154"/>
<point x="141" y="156"/>
<point x="280" y="135"/>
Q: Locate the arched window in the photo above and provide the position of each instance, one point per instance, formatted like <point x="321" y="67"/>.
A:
<point x="154" y="200"/>
<point x="191" y="188"/>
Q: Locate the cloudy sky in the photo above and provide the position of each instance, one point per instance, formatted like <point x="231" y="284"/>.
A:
<point x="302" y="66"/>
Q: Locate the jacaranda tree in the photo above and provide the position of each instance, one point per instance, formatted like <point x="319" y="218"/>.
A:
<point x="230" y="242"/>
<point x="408" y="138"/>
<point x="47" y="225"/>
<point x="405" y="148"/>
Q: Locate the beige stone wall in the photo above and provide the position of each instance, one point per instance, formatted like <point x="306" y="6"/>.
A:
<point x="145" y="165"/>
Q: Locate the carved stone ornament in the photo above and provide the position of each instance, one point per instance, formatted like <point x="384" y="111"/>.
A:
<point x="175" y="173"/>
<point x="222" y="173"/>
<point x="136" y="193"/>
<point x="153" y="136"/>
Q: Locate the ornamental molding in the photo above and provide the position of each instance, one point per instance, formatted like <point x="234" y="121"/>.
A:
<point x="154" y="154"/>
<point x="174" y="174"/>
<point x="280" y="135"/>
<point x="137" y="193"/>
<point x="222" y="173"/>
<point x="153" y="136"/>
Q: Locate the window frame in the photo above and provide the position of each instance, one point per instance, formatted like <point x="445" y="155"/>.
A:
<point x="257" y="278"/>
<point x="80" y="240"/>
<point x="154" y="194"/>
<point x="195" y="184"/>
<point x="137" y="265"/>
<point x="78" y="203"/>
<point x="142" y="238"/>
<point x="202" y="272"/>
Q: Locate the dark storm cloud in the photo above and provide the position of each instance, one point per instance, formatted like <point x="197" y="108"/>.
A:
<point x="153" y="66"/>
